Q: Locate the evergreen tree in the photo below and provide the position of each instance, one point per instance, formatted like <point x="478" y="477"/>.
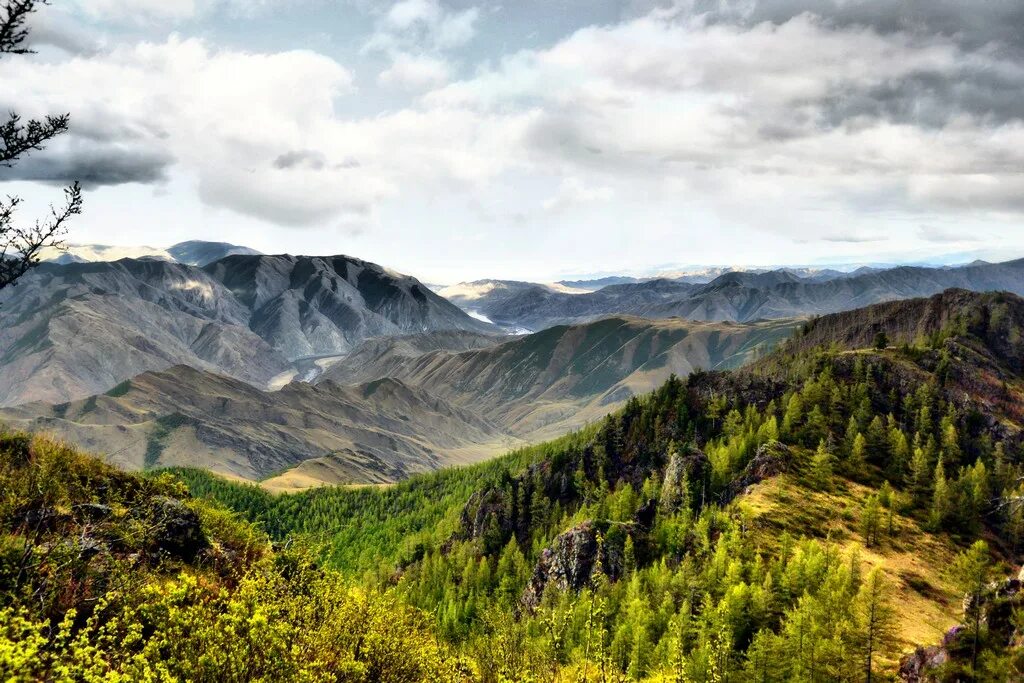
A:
<point x="971" y="571"/>
<point x="875" y="620"/>
<point x="821" y="468"/>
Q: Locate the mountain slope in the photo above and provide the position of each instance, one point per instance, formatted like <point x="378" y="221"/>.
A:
<point x="70" y="331"/>
<point x="373" y="433"/>
<point x="307" y="306"/>
<point x="554" y="380"/>
<point x="75" y="330"/>
<point x="397" y="406"/>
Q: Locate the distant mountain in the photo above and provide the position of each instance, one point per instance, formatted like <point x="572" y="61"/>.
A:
<point x="554" y="380"/>
<point x="748" y="295"/>
<point x="312" y="305"/>
<point x="91" y="253"/>
<point x="377" y="432"/>
<point x="192" y="253"/>
<point x="70" y="331"/>
<point x="200" y="253"/>
<point x="596" y="284"/>
<point x="527" y="306"/>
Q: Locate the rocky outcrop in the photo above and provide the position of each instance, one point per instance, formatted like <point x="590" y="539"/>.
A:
<point x="915" y="667"/>
<point x="690" y="465"/>
<point x="568" y="564"/>
<point x="997" y="605"/>
<point x="771" y="459"/>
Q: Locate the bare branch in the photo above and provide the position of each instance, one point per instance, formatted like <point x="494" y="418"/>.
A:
<point x="20" y="247"/>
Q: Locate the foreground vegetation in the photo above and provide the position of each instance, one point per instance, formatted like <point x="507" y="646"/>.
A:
<point x="811" y="519"/>
<point x="106" y="576"/>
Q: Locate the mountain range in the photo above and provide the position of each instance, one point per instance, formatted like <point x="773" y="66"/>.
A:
<point x="738" y="296"/>
<point x="394" y="407"/>
<point x="69" y="331"/>
<point x="192" y="252"/>
<point x="305" y="369"/>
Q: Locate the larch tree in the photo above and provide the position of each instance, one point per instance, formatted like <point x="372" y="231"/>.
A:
<point x="876" y="619"/>
<point x="21" y="246"/>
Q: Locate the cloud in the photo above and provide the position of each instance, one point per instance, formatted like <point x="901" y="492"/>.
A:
<point x="931" y="233"/>
<point x="415" y="73"/>
<point x="92" y="165"/>
<point x="572" y="192"/>
<point x="738" y="114"/>
<point x="422" y="26"/>
<point x="140" y="11"/>
<point x="300" y="158"/>
<point x="774" y="115"/>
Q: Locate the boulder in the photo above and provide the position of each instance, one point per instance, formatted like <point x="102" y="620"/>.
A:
<point x="177" y="529"/>
<point x="91" y="512"/>
<point x="917" y="666"/>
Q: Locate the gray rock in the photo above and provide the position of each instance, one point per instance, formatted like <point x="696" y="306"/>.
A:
<point x="177" y="529"/>
<point x="568" y="564"/>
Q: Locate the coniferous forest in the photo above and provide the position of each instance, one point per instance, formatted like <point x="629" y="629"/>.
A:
<point x="838" y="511"/>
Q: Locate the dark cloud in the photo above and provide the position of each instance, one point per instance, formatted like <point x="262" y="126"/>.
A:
<point x="92" y="166"/>
<point x="989" y="83"/>
<point x="53" y="28"/>
<point x="301" y="158"/>
<point x="971" y="24"/>
<point x="931" y="99"/>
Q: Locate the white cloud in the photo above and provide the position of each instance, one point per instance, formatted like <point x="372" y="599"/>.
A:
<point x="779" y="126"/>
<point x="140" y="11"/>
<point x="422" y="26"/>
<point x="572" y="192"/>
<point x="415" y="72"/>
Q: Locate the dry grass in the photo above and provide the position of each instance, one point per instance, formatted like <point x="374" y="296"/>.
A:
<point x="913" y="560"/>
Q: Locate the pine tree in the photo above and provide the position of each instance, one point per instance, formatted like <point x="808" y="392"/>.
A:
<point x="972" y="570"/>
<point x="942" y="499"/>
<point x="794" y="414"/>
<point x="821" y="468"/>
<point x="875" y="619"/>
<point x="858" y="456"/>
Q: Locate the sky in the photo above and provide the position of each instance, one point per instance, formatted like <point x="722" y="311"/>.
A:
<point x="535" y="139"/>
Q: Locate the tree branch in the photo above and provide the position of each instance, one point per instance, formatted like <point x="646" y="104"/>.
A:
<point x="13" y="31"/>
<point x="20" y="247"/>
<point x="17" y="139"/>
